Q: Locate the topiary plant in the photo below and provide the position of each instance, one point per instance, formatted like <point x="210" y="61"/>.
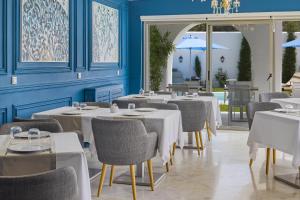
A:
<point x="244" y="65"/>
<point x="198" y="67"/>
<point x="160" y="49"/>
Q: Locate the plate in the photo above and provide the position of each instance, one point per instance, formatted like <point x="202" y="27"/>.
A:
<point x="71" y="113"/>
<point x="27" y="148"/>
<point x="145" y="109"/>
<point x="284" y="110"/>
<point x="190" y="96"/>
<point x="24" y="135"/>
<point x="131" y="114"/>
<point x="90" y="108"/>
<point x="139" y="97"/>
<point x="188" y="99"/>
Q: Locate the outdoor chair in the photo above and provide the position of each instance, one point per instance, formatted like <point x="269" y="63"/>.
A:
<point x="99" y="104"/>
<point x="123" y="103"/>
<point x="124" y="142"/>
<point x="207" y="94"/>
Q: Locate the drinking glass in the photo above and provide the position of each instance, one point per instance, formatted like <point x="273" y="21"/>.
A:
<point x="288" y="107"/>
<point x="75" y="104"/>
<point x="82" y="105"/>
<point x="15" y="130"/>
<point x="33" y="133"/>
<point x="186" y="93"/>
<point x="195" y="94"/>
<point x="131" y="106"/>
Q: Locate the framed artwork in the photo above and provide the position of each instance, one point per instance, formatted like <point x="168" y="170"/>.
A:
<point x="105" y="34"/>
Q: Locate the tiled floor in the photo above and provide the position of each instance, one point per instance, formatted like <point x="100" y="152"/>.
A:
<point x="220" y="173"/>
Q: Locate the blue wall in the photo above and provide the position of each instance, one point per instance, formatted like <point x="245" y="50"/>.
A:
<point x="44" y="86"/>
<point x="175" y="7"/>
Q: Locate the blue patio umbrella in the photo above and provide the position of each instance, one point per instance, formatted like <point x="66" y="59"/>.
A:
<point x="293" y="43"/>
<point x="193" y="43"/>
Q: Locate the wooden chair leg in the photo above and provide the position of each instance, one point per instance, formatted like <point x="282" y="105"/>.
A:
<point x="174" y="149"/>
<point x="171" y="158"/>
<point x="132" y="173"/>
<point x="102" y="177"/>
<point x="197" y="142"/>
<point x="208" y="131"/>
<point x="167" y="167"/>
<point x="274" y="156"/>
<point x="201" y="142"/>
<point x="150" y="171"/>
<point x="268" y="161"/>
<point x="112" y="172"/>
<point x="251" y="162"/>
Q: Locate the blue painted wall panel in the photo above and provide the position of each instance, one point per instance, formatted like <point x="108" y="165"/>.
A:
<point x="176" y="7"/>
<point x="35" y="89"/>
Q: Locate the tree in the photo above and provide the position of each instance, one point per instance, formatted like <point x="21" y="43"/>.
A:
<point x="160" y="49"/>
<point x="244" y="65"/>
<point x="198" y="67"/>
<point x="289" y="56"/>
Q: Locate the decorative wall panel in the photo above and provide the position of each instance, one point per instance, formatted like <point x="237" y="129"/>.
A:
<point x="44" y="31"/>
<point x="105" y="34"/>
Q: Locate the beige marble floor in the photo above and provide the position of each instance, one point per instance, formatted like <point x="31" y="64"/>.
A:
<point x="220" y="173"/>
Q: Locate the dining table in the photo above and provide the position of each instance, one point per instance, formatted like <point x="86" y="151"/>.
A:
<point x="280" y="130"/>
<point x="62" y="150"/>
<point x="166" y="123"/>
<point x="294" y="102"/>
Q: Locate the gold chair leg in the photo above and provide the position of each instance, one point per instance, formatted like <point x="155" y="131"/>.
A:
<point x="274" y="156"/>
<point x="102" y="177"/>
<point x="251" y="162"/>
<point x="201" y="142"/>
<point x="174" y="149"/>
<point x="132" y="173"/>
<point x="167" y="167"/>
<point x="150" y="171"/>
<point x="197" y="142"/>
<point x="208" y="131"/>
<point x="171" y="159"/>
<point x="112" y="172"/>
<point x="268" y="161"/>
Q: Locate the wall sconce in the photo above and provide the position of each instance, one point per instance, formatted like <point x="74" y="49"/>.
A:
<point x="180" y="59"/>
<point x="222" y="59"/>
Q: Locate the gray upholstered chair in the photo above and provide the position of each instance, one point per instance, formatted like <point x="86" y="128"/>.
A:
<point x="163" y="93"/>
<point x="123" y="142"/>
<point x="267" y="97"/>
<point x="50" y="125"/>
<point x="160" y="106"/>
<point x="59" y="184"/>
<point x="123" y="103"/>
<point x="194" y="114"/>
<point x="206" y="94"/>
<point x="99" y="104"/>
<point x="252" y="108"/>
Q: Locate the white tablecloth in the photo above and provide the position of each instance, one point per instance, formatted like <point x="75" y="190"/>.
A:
<point x="167" y="124"/>
<point x="295" y="102"/>
<point x="276" y="130"/>
<point x="68" y="152"/>
<point x="214" y="114"/>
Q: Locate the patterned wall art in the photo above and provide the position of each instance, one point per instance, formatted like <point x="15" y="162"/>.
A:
<point x="105" y="34"/>
<point x="44" y="30"/>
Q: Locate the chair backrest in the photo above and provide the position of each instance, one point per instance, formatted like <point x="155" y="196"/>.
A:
<point x="123" y="103"/>
<point x="179" y="88"/>
<point x="253" y="107"/>
<point x="99" y="104"/>
<point x="120" y="141"/>
<point x="239" y="95"/>
<point x="267" y="97"/>
<point x="160" y="106"/>
<point x="163" y="93"/>
<point x="59" y="184"/>
<point x="206" y="94"/>
<point x="50" y="125"/>
<point x="194" y="114"/>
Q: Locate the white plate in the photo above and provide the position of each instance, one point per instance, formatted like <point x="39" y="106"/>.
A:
<point x="131" y="114"/>
<point x="284" y="110"/>
<point x="145" y="109"/>
<point x="24" y="135"/>
<point x="139" y="97"/>
<point x="71" y="113"/>
<point x="188" y="99"/>
<point x="90" y="108"/>
<point x="27" y="148"/>
<point x="190" y="96"/>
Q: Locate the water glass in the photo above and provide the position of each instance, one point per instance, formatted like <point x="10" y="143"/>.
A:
<point x="33" y="133"/>
<point x="75" y="104"/>
<point x="289" y="107"/>
<point x="186" y="93"/>
<point x="131" y="106"/>
<point x="15" y="130"/>
<point x="195" y="94"/>
<point x="151" y="93"/>
<point x="82" y="105"/>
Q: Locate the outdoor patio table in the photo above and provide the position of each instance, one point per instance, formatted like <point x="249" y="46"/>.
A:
<point x="279" y="131"/>
<point x="65" y="151"/>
